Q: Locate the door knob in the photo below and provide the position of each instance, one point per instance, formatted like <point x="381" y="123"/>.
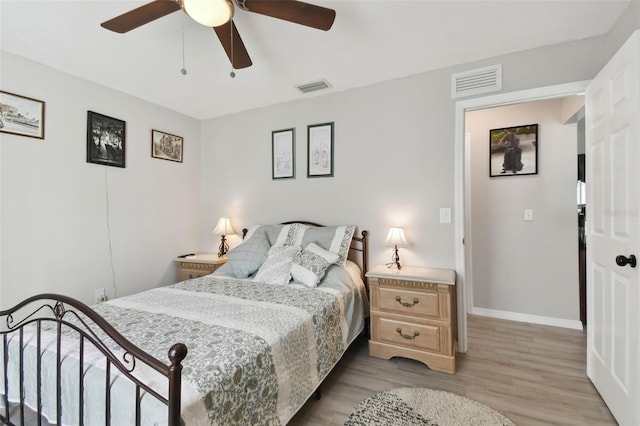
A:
<point x="622" y="260"/>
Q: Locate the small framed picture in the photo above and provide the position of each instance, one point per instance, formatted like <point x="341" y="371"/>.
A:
<point x="513" y="151"/>
<point x="105" y="140"/>
<point x="166" y="146"/>
<point x="320" y="150"/>
<point x="21" y="116"/>
<point x="283" y="154"/>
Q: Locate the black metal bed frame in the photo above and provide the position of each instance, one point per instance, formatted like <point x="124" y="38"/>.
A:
<point x="67" y="313"/>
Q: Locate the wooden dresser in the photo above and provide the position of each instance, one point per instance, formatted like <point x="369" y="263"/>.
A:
<point x="413" y="315"/>
<point x="198" y="265"/>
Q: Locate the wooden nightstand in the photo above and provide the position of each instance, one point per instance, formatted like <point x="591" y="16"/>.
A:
<point x="198" y="265"/>
<point x="413" y="315"/>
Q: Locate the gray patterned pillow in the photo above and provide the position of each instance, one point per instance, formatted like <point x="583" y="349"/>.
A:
<point x="310" y="265"/>
<point x="277" y="268"/>
<point x="278" y="235"/>
<point x="246" y="258"/>
<point x="336" y="239"/>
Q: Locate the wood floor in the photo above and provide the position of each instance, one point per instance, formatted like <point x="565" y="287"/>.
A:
<point x="535" y="375"/>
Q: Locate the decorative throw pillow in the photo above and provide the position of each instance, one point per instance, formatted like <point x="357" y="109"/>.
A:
<point x="336" y="239"/>
<point x="310" y="265"/>
<point x="277" y="268"/>
<point x="246" y="258"/>
<point x="278" y="235"/>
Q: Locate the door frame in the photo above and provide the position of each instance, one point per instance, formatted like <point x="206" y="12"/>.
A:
<point x="463" y="231"/>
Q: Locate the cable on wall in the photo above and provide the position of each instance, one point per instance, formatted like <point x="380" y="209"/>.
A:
<point x="113" y="270"/>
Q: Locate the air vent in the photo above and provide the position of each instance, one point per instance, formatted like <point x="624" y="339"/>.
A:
<point x="475" y="82"/>
<point x="313" y="86"/>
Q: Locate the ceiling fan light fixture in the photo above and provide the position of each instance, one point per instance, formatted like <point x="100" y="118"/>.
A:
<point x="211" y="13"/>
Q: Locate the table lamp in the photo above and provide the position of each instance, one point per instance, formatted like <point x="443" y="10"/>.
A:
<point x="223" y="228"/>
<point x="395" y="238"/>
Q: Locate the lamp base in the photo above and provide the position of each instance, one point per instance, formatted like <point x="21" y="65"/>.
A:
<point x="395" y="259"/>
<point x="224" y="247"/>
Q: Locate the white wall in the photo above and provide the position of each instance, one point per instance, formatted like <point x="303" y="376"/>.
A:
<point x="394" y="154"/>
<point x="628" y="22"/>
<point x="387" y="155"/>
<point x="528" y="267"/>
<point x="54" y="210"/>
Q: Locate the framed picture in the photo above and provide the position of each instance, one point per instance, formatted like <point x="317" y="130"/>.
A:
<point x="166" y="146"/>
<point x="21" y="116"/>
<point x="513" y="151"/>
<point x="105" y="140"/>
<point x="283" y="154"/>
<point x="320" y="150"/>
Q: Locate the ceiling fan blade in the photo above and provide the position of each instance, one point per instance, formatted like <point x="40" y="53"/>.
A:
<point x="142" y="15"/>
<point x="294" y="11"/>
<point x="241" y="57"/>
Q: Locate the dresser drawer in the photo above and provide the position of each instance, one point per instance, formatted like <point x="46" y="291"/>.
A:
<point x="423" y="337"/>
<point x="407" y="302"/>
<point x="193" y="269"/>
<point x="189" y="273"/>
<point x="413" y="315"/>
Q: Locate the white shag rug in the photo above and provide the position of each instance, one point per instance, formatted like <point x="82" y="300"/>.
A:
<point x="423" y="407"/>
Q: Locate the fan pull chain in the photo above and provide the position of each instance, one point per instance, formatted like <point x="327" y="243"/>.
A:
<point x="232" y="74"/>
<point x="183" y="70"/>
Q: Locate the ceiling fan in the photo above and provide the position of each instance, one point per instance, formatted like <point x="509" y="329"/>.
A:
<point x="218" y="14"/>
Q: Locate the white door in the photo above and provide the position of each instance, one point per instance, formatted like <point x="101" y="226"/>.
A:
<point x="613" y="229"/>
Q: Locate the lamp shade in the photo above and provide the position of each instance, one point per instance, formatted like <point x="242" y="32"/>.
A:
<point x="211" y="13"/>
<point x="395" y="237"/>
<point x="224" y="227"/>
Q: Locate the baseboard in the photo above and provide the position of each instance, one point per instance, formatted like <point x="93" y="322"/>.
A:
<point x="533" y="319"/>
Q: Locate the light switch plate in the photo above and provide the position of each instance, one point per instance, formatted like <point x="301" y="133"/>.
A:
<point x="528" y="214"/>
<point x="445" y="215"/>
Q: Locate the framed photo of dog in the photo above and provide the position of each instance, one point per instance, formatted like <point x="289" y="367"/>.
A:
<point x="513" y="151"/>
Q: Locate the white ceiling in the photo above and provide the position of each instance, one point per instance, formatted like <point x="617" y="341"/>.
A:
<point x="371" y="41"/>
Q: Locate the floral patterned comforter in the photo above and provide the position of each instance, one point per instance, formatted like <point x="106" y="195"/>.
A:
<point x="256" y="352"/>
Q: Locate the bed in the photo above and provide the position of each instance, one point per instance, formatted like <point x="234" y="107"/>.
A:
<point x="245" y="345"/>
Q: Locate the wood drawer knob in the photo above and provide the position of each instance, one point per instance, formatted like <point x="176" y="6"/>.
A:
<point x="407" y="304"/>
<point x="407" y="336"/>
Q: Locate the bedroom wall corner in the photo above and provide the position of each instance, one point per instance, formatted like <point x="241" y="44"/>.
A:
<point x="58" y="211"/>
<point x="627" y="24"/>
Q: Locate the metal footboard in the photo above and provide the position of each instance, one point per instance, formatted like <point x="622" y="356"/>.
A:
<point x="56" y="319"/>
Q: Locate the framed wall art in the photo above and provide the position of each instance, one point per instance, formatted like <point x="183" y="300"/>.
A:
<point x="166" y="146"/>
<point x="283" y="154"/>
<point x="320" y="150"/>
<point x="105" y="140"/>
<point x="20" y="115"/>
<point x="513" y="151"/>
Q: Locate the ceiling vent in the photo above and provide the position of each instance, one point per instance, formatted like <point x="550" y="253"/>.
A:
<point x="475" y="82"/>
<point x="313" y="86"/>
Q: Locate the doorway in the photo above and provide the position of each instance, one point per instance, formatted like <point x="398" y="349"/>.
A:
<point x="463" y="231"/>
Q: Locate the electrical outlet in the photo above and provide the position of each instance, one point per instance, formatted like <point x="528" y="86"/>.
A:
<point x="100" y="296"/>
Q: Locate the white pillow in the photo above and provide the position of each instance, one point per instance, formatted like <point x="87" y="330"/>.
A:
<point x="277" y="268"/>
<point x="310" y="265"/>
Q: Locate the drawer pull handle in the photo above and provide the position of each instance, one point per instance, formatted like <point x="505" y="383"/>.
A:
<point x="407" y="336"/>
<point x="407" y="304"/>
